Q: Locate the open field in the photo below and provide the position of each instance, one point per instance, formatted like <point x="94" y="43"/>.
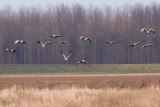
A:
<point x="91" y="81"/>
<point x="79" y="97"/>
<point x="78" y="69"/>
<point x="80" y="86"/>
<point x="92" y="76"/>
<point x="82" y="90"/>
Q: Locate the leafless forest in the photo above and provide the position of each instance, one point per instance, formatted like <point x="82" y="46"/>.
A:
<point x="120" y="24"/>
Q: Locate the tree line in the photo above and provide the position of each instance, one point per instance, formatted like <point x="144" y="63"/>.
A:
<point x="121" y="24"/>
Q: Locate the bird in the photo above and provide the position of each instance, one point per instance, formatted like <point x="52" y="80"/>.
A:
<point x="81" y="37"/>
<point x="134" y="44"/>
<point x="85" y="39"/>
<point x="146" y="45"/>
<point x="10" y="50"/>
<point x="82" y="62"/>
<point x="64" y="42"/>
<point x="7" y="50"/>
<point x="43" y="45"/>
<point x="20" y="41"/>
<point x="110" y="42"/>
<point x="55" y="36"/>
<point x="147" y="31"/>
<point x="67" y="58"/>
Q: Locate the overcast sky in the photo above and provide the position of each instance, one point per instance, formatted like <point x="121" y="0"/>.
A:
<point x="100" y="3"/>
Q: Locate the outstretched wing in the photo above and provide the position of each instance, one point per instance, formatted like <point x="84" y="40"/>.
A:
<point x="143" y="30"/>
<point x="104" y="41"/>
<point x="79" y="62"/>
<point x="58" y="36"/>
<point x="88" y="39"/>
<point x="113" y="42"/>
<point x="23" y="42"/>
<point x="63" y="55"/>
<point x="150" y="44"/>
<point x="40" y="42"/>
<point x="61" y="42"/>
<point x="70" y="56"/>
<point x="7" y="50"/>
<point x="47" y="43"/>
<point x="17" y="41"/>
<point x="66" y="43"/>
<point x="43" y="45"/>
<point x="55" y="36"/>
<point x="81" y="37"/>
<point x="131" y="45"/>
<point x="137" y="43"/>
<point x="86" y="62"/>
<point x="151" y="30"/>
<point x="109" y="42"/>
<point x="12" y="50"/>
<point x="143" y="46"/>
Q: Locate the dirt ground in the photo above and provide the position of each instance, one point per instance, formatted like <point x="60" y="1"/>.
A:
<point x="94" y="81"/>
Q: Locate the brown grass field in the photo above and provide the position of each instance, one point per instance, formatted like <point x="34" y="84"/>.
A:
<point x="96" y="90"/>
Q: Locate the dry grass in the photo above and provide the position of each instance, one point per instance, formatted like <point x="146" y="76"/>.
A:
<point x="80" y="97"/>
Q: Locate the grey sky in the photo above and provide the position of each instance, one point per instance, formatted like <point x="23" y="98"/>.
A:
<point x="100" y="3"/>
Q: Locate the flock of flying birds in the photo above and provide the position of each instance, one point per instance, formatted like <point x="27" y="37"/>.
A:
<point x="66" y="58"/>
